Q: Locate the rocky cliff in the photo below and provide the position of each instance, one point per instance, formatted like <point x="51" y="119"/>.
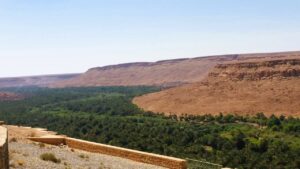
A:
<point x="165" y="73"/>
<point x="269" y="86"/>
<point x="257" y="70"/>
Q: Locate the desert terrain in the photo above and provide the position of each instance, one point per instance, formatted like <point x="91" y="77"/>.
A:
<point x="244" y="88"/>
<point x="162" y="73"/>
<point x="267" y="83"/>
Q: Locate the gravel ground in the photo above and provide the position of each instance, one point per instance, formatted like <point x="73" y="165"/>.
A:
<point x="27" y="156"/>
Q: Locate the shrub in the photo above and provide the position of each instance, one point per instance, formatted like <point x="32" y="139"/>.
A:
<point x="50" y="157"/>
<point x="42" y="145"/>
<point x="21" y="162"/>
<point x="13" y="140"/>
<point x="83" y="156"/>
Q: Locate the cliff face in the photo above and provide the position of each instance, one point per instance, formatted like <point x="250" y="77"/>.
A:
<point x="165" y="73"/>
<point x="270" y="86"/>
<point x="257" y="70"/>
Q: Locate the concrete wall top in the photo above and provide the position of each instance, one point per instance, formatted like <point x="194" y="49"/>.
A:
<point x="3" y="135"/>
<point x="4" y="159"/>
<point x="128" y="150"/>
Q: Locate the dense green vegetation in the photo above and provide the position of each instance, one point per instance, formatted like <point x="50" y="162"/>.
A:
<point x="106" y="115"/>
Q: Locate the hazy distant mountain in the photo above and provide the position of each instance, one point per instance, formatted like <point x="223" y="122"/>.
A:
<point x="34" y="80"/>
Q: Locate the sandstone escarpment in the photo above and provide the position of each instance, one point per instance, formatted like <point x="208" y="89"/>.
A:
<point x="163" y="73"/>
<point x="273" y="69"/>
<point x="242" y="88"/>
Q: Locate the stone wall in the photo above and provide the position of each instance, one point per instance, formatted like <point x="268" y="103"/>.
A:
<point x="149" y="158"/>
<point x="154" y="159"/>
<point x="4" y="160"/>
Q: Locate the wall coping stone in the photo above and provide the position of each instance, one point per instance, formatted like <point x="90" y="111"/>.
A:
<point x="3" y="135"/>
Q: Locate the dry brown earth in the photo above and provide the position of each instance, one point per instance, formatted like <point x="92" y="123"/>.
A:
<point x="272" y="87"/>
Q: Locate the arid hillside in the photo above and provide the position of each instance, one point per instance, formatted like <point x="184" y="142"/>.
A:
<point x="243" y="88"/>
<point x="33" y="80"/>
<point x="165" y="73"/>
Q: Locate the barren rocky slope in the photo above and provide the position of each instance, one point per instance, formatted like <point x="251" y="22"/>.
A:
<point x="167" y="73"/>
<point x="243" y="88"/>
<point x="33" y="80"/>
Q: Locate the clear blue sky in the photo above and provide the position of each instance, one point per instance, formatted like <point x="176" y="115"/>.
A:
<point x="63" y="36"/>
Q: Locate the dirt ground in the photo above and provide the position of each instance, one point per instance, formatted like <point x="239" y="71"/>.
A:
<point x="25" y="154"/>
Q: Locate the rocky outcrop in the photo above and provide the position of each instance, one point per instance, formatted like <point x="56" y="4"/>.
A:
<point x="257" y="70"/>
